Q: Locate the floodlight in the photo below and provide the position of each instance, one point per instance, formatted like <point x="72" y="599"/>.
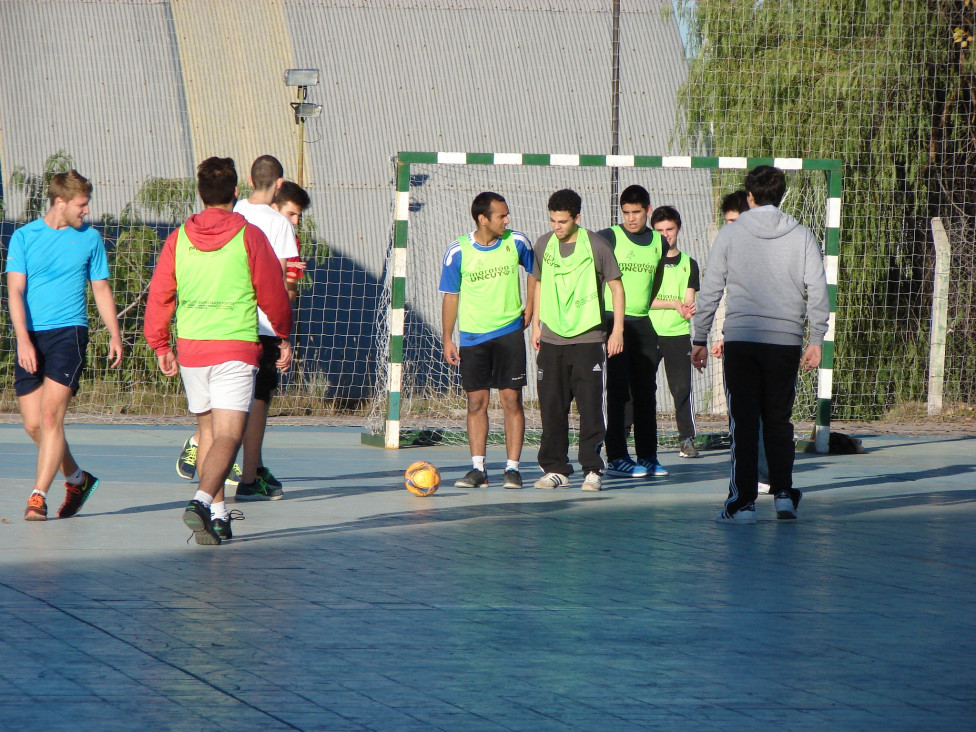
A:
<point x="306" y="110"/>
<point x="301" y="77"/>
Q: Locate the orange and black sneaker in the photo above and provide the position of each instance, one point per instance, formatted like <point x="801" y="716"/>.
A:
<point x="36" y="508"/>
<point x="76" y="496"/>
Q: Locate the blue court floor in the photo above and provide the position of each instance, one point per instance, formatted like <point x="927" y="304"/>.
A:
<point x="353" y="605"/>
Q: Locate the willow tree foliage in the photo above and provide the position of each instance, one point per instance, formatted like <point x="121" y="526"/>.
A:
<point x="884" y="86"/>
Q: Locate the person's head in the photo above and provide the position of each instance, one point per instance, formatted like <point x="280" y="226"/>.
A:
<point x="666" y="221"/>
<point x="733" y="204"/>
<point x="490" y="213"/>
<point x="217" y="182"/>
<point x="765" y="185"/>
<point x="635" y="206"/>
<point x="69" y="194"/>
<point x="564" y="213"/>
<point x="290" y="201"/>
<point x="266" y="173"/>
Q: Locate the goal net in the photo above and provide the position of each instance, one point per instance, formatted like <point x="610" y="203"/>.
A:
<point x="419" y="396"/>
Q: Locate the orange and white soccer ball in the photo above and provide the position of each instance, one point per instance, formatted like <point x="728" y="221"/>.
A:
<point x="422" y="478"/>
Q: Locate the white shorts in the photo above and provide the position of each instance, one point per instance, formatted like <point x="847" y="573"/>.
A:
<point x="228" y="385"/>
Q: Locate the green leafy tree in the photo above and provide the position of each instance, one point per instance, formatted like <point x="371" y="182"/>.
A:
<point x="879" y="85"/>
<point x="35" y="185"/>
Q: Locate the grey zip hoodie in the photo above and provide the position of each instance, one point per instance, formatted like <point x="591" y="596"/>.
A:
<point x="774" y="273"/>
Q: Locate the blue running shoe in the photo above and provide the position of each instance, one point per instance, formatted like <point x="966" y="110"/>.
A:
<point x="626" y="468"/>
<point x="654" y="468"/>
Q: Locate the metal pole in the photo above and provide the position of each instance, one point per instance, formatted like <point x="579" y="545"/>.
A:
<point x="940" y="318"/>
<point x="615" y="112"/>
<point x="301" y="151"/>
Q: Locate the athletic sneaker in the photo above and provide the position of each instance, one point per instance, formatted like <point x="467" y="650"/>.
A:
<point x="592" y="482"/>
<point x="625" y="467"/>
<point x="36" y="508"/>
<point x="654" y="468"/>
<point x="552" y="480"/>
<point x="688" y="449"/>
<point x="268" y="477"/>
<point x="513" y="479"/>
<point x="473" y="479"/>
<point x="76" y="495"/>
<point x="745" y="515"/>
<point x="233" y="475"/>
<point x="196" y="516"/>
<point x="186" y="464"/>
<point x="258" y="491"/>
<point x="222" y="525"/>
<point x="786" y="506"/>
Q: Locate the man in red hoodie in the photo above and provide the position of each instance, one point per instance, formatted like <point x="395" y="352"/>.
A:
<point x="213" y="272"/>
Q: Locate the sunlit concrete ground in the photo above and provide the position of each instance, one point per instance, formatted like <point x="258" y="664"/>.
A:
<point x="353" y="605"/>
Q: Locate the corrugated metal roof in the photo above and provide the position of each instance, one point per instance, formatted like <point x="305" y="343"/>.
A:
<point x="100" y="81"/>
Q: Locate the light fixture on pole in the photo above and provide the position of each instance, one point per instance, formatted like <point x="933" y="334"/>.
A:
<point x="303" y="79"/>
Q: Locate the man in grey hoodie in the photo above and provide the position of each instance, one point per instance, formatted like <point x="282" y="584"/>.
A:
<point x="773" y="270"/>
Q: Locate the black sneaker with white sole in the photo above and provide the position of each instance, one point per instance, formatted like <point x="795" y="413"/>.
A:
<point x="222" y="525"/>
<point x="513" y="479"/>
<point x="474" y="478"/>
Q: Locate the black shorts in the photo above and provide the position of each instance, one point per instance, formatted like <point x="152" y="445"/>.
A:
<point x="495" y="364"/>
<point x="266" y="382"/>
<point x="60" y="357"/>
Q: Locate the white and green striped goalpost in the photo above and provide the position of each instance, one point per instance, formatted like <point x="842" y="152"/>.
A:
<point x="387" y="426"/>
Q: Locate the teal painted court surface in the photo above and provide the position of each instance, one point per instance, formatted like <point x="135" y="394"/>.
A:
<point x="353" y="605"/>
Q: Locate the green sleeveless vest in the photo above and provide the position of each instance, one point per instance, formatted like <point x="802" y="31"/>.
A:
<point x="215" y="296"/>
<point x="674" y="284"/>
<point x="569" y="302"/>
<point x="637" y="266"/>
<point x="490" y="295"/>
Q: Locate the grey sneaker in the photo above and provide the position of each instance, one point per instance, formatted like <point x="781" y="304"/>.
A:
<point x="592" y="482"/>
<point x="186" y="463"/>
<point x="513" y="479"/>
<point x="552" y="480"/>
<point x="474" y="478"/>
<point x="745" y="515"/>
<point x="234" y="476"/>
<point x="785" y="506"/>
<point x="688" y="449"/>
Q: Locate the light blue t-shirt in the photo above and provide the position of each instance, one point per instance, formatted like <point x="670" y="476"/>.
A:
<point x="58" y="264"/>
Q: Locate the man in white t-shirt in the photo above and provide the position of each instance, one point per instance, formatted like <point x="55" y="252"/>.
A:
<point x="256" y="482"/>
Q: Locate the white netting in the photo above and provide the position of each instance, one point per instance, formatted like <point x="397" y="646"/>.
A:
<point x="431" y="399"/>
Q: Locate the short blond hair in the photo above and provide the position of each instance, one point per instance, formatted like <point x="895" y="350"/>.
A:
<point x="67" y="186"/>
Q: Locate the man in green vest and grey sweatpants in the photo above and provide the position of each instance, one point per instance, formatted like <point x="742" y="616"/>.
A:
<point x="570" y="332"/>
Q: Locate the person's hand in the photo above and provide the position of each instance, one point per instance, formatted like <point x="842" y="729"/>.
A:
<point x="811" y="357"/>
<point x="451" y="354"/>
<point x="699" y="357"/>
<point x="167" y="364"/>
<point x="615" y="343"/>
<point x="718" y="349"/>
<point x="115" y="349"/>
<point x="536" y="337"/>
<point x="285" y="355"/>
<point x="26" y="355"/>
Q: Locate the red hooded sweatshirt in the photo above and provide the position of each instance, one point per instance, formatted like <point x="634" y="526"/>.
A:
<point x="208" y="231"/>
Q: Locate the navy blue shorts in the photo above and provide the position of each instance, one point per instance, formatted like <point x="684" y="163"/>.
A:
<point x="60" y="357"/>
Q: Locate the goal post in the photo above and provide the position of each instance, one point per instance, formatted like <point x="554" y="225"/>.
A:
<point x="415" y="390"/>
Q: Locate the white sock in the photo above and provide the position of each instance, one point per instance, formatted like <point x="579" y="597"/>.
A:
<point x="478" y="461"/>
<point x="205" y="498"/>
<point x="512" y="465"/>
<point x="193" y="443"/>
<point x="76" y="478"/>
<point x="42" y="494"/>
<point x="218" y="510"/>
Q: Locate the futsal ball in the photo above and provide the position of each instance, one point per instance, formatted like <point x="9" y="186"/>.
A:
<point x="422" y="478"/>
